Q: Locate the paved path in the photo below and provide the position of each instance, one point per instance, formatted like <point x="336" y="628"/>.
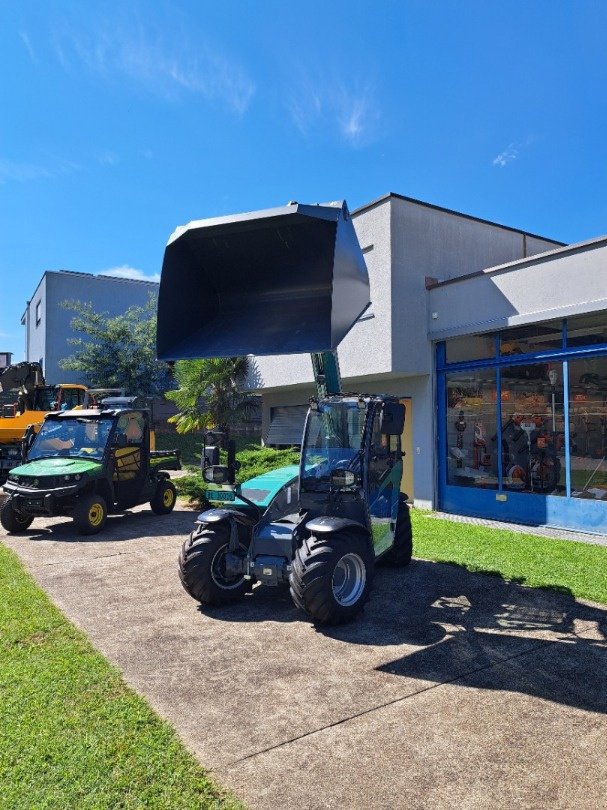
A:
<point x="453" y="690"/>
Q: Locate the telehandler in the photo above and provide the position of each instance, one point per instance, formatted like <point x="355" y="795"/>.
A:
<point x="282" y="281"/>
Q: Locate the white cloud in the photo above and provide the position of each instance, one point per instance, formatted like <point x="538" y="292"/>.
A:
<point x="351" y="111"/>
<point x="107" y="158"/>
<point x="28" y="46"/>
<point x="165" y="60"/>
<point x="125" y="271"/>
<point x="512" y="152"/>
<point x="22" y="172"/>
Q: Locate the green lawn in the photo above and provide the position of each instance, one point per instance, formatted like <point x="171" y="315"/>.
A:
<point x="72" y="734"/>
<point x="580" y="568"/>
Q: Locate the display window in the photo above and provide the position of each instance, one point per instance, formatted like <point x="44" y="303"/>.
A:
<point x="587" y="330"/>
<point x="471" y="429"/>
<point x="533" y="429"/>
<point x="470" y="347"/>
<point x="523" y="433"/>
<point x="588" y="427"/>
<point x="529" y="339"/>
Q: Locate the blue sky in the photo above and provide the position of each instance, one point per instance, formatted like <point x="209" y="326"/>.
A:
<point x="122" y="120"/>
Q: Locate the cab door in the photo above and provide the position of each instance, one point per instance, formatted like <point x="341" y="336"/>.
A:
<point x="384" y="472"/>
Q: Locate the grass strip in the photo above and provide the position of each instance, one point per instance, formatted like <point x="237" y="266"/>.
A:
<point x="72" y="734"/>
<point x="540" y="562"/>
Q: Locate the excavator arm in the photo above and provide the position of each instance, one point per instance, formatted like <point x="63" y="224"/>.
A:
<point x="23" y="377"/>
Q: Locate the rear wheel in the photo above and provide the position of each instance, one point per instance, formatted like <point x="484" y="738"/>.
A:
<point x="164" y="498"/>
<point x="331" y="576"/>
<point x="12" y="520"/>
<point x="401" y="552"/>
<point x="90" y="514"/>
<point x="202" y="567"/>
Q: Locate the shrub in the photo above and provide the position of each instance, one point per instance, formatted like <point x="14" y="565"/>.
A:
<point x="254" y="460"/>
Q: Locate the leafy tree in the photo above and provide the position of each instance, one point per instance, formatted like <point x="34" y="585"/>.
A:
<point x="209" y="394"/>
<point x="117" y="351"/>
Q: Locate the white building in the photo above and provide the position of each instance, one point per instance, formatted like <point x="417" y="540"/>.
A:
<point x="469" y="325"/>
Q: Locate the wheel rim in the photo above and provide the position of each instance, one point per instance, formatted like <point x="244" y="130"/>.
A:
<point x="95" y="514"/>
<point x="168" y="497"/>
<point x="218" y="570"/>
<point x="349" y="579"/>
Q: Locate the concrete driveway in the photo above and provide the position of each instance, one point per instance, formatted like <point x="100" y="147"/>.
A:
<point x="454" y="690"/>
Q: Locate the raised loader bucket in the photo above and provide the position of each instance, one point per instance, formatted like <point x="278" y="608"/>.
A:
<point x="280" y="281"/>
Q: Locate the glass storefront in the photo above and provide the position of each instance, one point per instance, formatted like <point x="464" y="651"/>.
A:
<point x="523" y="427"/>
<point x="588" y="427"/>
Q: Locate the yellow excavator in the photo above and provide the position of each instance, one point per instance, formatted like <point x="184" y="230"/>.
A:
<point x="25" y="399"/>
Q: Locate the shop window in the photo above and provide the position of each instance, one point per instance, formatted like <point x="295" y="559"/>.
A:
<point x="470" y="347"/>
<point x="471" y="429"/>
<point x="527" y="339"/>
<point x="588" y="427"/>
<point x="587" y="330"/>
<point x="533" y="429"/>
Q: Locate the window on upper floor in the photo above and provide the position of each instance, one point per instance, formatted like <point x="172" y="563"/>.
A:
<point x="38" y="312"/>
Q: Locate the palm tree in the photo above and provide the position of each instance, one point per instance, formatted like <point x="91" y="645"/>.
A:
<point x="209" y="394"/>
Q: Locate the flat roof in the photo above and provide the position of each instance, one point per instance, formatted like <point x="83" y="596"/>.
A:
<point x="392" y="194"/>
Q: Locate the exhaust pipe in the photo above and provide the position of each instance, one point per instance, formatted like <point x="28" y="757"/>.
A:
<point x="280" y="281"/>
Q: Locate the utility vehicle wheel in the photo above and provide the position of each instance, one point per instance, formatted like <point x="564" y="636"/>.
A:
<point x="12" y="520"/>
<point x="90" y="514"/>
<point x="164" y="498"/>
<point x="202" y="567"/>
<point x="331" y="576"/>
<point x="402" y="550"/>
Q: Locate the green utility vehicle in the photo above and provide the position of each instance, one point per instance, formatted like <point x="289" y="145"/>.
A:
<point x="284" y="281"/>
<point x="87" y="464"/>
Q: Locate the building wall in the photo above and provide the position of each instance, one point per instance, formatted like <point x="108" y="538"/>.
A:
<point x="50" y="338"/>
<point x="36" y="334"/>
<point x="429" y="241"/>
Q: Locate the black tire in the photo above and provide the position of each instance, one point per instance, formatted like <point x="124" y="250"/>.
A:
<point x="90" y="514"/>
<point x="13" y="521"/>
<point x="164" y="498"/>
<point x="331" y="576"/>
<point x="401" y="552"/>
<point x="201" y="571"/>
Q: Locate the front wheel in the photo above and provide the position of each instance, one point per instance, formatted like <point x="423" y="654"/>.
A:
<point x="164" y="498"/>
<point x="13" y="521"/>
<point x="202" y="567"/>
<point x="401" y="552"/>
<point x="331" y="576"/>
<point x="90" y="514"/>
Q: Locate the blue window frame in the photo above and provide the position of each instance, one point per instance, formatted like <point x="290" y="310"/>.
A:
<point x="568" y="480"/>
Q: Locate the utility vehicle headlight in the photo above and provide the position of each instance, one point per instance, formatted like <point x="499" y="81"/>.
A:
<point x="342" y="479"/>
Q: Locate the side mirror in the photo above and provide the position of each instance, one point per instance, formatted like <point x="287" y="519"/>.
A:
<point x="210" y="456"/>
<point x="393" y="418"/>
<point x="216" y="475"/>
<point x="342" y="479"/>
